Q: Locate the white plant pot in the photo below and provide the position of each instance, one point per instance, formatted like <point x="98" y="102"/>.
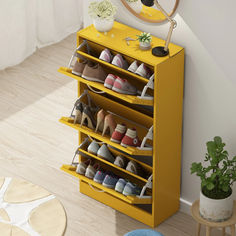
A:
<point x="144" y="45"/>
<point x="136" y="6"/>
<point x="103" y="25"/>
<point x="216" y="210"/>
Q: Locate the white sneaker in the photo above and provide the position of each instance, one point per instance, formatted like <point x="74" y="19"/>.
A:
<point x="143" y="71"/>
<point x="133" y="67"/>
<point x="106" y="55"/>
<point x="93" y="148"/>
<point x="119" y="61"/>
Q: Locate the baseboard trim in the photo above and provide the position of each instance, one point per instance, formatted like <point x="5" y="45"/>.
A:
<point x="185" y="206"/>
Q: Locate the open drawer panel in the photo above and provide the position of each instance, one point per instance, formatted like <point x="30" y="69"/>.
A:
<point x="129" y="199"/>
<point x="117" y="168"/>
<point x="115" y="68"/>
<point x="129" y="150"/>
<point x="127" y="98"/>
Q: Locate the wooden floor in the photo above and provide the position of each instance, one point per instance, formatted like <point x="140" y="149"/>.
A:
<point x="33" y="144"/>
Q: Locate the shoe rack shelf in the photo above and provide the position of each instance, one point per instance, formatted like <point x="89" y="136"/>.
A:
<point x="115" y="68"/>
<point x="99" y="187"/>
<point x="117" y="167"/>
<point x="128" y="98"/>
<point x="85" y="130"/>
<point x="163" y="113"/>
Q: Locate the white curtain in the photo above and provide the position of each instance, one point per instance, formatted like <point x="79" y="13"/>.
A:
<point x="28" y="24"/>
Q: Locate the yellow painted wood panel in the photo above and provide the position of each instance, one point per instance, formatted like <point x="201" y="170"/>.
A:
<point x="168" y="137"/>
<point x="129" y="150"/>
<point x="129" y="199"/>
<point x="114" y="39"/>
<point x="127" y="98"/>
<point x="117" y="204"/>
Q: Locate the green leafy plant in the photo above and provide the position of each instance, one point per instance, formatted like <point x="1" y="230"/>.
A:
<point x="103" y="9"/>
<point x="218" y="177"/>
<point x="144" y="37"/>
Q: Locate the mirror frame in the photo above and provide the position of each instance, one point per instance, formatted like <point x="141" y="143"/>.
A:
<point x="146" y="19"/>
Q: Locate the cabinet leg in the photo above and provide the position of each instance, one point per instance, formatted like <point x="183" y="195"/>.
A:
<point x="198" y="229"/>
<point x="223" y="231"/>
<point x="208" y="231"/>
<point x="232" y="230"/>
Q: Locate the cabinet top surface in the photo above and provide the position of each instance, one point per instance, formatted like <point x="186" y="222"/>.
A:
<point x="115" y="40"/>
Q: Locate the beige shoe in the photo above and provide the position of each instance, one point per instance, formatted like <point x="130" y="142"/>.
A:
<point x="132" y="167"/>
<point x="94" y="73"/>
<point x="120" y="161"/>
<point x="109" y="123"/>
<point x="79" y="67"/>
<point x="100" y="120"/>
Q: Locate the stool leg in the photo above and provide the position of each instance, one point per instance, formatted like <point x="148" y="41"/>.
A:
<point x="208" y="231"/>
<point x="232" y="230"/>
<point x="198" y="229"/>
<point x="223" y="231"/>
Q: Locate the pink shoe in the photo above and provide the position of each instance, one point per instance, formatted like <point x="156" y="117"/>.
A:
<point x="133" y="67"/>
<point x="131" y="139"/>
<point x="110" y="81"/>
<point x="119" y="61"/>
<point x="119" y="133"/>
<point x="106" y="55"/>
<point x="143" y="71"/>
<point x="124" y="87"/>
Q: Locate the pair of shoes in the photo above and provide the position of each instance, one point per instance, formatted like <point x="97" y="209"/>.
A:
<point x="87" y="117"/>
<point x="102" y="152"/>
<point x="116" y="60"/>
<point x="141" y="70"/>
<point x="89" y="71"/>
<point x="105" y="122"/>
<point x="126" y="137"/>
<point x="119" y="85"/>
<point x="132" y="166"/>
<point x="107" y="179"/>
<point x="127" y="188"/>
<point x="87" y="168"/>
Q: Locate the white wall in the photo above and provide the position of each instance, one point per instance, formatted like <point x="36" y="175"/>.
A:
<point x="207" y="31"/>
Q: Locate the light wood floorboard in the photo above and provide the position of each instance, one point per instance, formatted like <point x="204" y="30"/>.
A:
<point x="33" y="144"/>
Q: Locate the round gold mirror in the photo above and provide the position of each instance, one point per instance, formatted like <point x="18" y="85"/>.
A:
<point x="151" y="14"/>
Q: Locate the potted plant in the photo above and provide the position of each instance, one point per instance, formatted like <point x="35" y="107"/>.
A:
<point x="217" y="178"/>
<point x="103" y="13"/>
<point x="136" y="5"/>
<point x="144" y="41"/>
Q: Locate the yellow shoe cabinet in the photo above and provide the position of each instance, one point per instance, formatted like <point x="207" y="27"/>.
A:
<point x="163" y="113"/>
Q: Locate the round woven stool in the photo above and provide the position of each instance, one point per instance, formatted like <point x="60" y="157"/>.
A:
<point x="143" y="232"/>
<point x="209" y="225"/>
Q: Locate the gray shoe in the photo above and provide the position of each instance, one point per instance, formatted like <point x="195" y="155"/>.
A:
<point x="110" y="181"/>
<point x="104" y="153"/>
<point x="124" y="87"/>
<point x="120" y="185"/>
<point x="100" y="176"/>
<point x="131" y="189"/>
<point x="93" y="148"/>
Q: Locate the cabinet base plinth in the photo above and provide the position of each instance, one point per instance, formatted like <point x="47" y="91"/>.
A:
<point x="118" y="204"/>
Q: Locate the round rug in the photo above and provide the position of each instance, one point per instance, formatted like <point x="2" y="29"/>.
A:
<point x="29" y="210"/>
